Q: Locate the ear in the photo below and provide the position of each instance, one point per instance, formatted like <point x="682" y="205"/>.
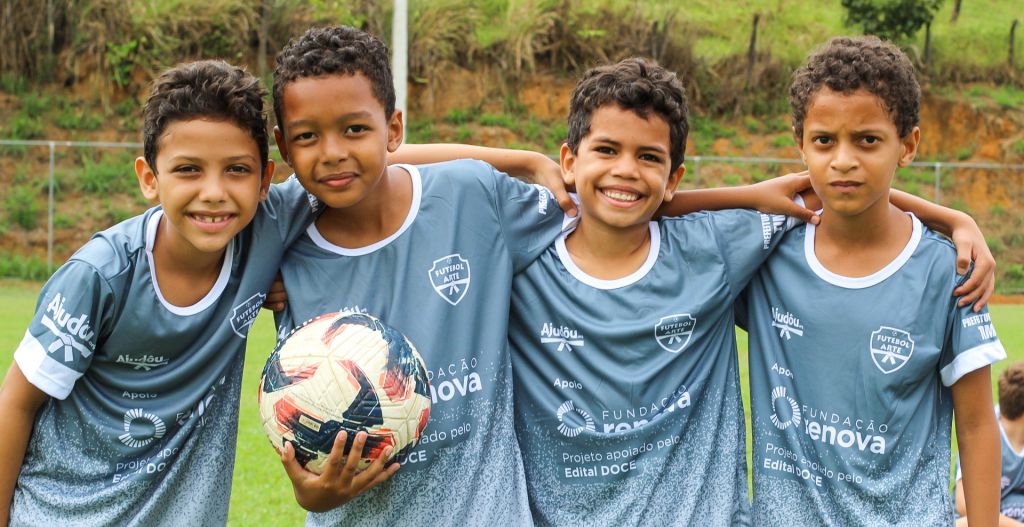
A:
<point x="396" y="131"/>
<point x="910" y="144"/>
<point x="567" y="160"/>
<point x="147" y="180"/>
<point x="282" y="146"/>
<point x="673" y="182"/>
<point x="268" y="175"/>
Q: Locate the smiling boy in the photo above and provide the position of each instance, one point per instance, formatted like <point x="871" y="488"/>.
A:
<point x="121" y="407"/>
<point x="859" y="354"/>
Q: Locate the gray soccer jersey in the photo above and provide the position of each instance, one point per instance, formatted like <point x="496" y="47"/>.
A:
<point x="443" y="279"/>
<point x="142" y="422"/>
<point x="627" y="392"/>
<point x="849" y="385"/>
<point x="1011" y="481"/>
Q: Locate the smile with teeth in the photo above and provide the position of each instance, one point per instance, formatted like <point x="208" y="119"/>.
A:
<point x="620" y="195"/>
<point x="210" y="219"/>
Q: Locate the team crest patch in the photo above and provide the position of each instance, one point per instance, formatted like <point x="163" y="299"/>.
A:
<point x="450" y="277"/>
<point x="891" y="348"/>
<point x="673" y="331"/>
<point x="245" y="313"/>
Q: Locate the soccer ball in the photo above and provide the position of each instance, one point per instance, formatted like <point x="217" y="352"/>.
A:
<point x="344" y="372"/>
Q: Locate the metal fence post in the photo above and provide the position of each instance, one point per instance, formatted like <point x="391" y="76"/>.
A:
<point x="938" y="183"/>
<point x="696" y="171"/>
<point x="49" y="215"/>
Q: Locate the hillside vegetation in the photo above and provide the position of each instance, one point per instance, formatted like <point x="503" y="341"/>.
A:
<point x="494" y="72"/>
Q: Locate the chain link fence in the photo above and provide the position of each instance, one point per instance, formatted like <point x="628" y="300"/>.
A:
<point x="80" y="187"/>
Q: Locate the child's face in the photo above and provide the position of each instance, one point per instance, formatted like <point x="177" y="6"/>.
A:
<point x="208" y="181"/>
<point x="336" y="137"/>
<point x="852" y="148"/>
<point x="621" y="168"/>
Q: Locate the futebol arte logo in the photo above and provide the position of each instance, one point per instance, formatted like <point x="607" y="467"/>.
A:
<point x="891" y="348"/>
<point x="450" y="276"/>
<point x="673" y="332"/>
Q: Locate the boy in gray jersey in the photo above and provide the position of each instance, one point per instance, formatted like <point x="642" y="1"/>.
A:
<point x="121" y="405"/>
<point x="859" y="354"/>
<point x="431" y="250"/>
<point x="1010" y="417"/>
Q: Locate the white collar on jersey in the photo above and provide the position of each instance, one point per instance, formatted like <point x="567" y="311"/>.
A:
<point x="414" y="209"/>
<point x="598" y="283"/>
<point x="863" y="281"/>
<point x="215" y="291"/>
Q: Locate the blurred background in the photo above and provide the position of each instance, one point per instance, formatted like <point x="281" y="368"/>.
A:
<point x="74" y="74"/>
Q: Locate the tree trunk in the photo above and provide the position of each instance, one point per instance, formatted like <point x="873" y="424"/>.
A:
<point x="928" y="43"/>
<point x="956" y="11"/>
<point x="752" y="50"/>
<point x="1013" y="36"/>
<point x="261" y="54"/>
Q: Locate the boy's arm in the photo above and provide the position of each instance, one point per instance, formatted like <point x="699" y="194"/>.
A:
<point x="19" y="403"/>
<point x="339" y="482"/>
<point x="970" y="245"/>
<point x="525" y="164"/>
<point x="978" y="438"/>
<point x="773" y="196"/>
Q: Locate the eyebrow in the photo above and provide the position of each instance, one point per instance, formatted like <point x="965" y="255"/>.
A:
<point x="606" y="140"/>
<point x="199" y="160"/>
<point x="362" y="114"/>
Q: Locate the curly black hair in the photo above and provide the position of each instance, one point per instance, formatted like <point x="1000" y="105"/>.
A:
<point x="847" y="64"/>
<point x="1011" y="391"/>
<point x="205" y="89"/>
<point x="633" y="84"/>
<point x="336" y="50"/>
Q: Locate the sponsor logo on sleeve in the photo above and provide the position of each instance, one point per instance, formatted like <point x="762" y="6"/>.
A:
<point x="891" y="348"/>
<point x="673" y="332"/>
<point x="787" y="324"/>
<point x="565" y="337"/>
<point x="573" y="421"/>
<point x="244" y="314"/>
<point x="450" y="277"/>
<point x="770" y="224"/>
<point x="72" y="332"/>
<point x="983" y="322"/>
<point x="543" y="197"/>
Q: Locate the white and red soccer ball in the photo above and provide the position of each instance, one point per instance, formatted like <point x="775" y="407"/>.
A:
<point x="344" y="372"/>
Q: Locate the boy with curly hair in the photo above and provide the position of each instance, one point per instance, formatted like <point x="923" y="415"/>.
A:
<point x="859" y="354"/>
<point x="121" y="406"/>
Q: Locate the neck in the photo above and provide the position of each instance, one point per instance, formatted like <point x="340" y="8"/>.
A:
<point x="379" y="215"/>
<point x="171" y="254"/>
<point x="608" y="252"/>
<point x="863" y="244"/>
<point x="1014" y="429"/>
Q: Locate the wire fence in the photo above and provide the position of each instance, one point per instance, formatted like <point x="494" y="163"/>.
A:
<point x="962" y="185"/>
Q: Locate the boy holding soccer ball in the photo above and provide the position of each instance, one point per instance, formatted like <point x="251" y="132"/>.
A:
<point x="121" y="405"/>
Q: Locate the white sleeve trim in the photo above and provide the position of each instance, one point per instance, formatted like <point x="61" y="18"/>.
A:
<point x="972" y="359"/>
<point x="50" y="376"/>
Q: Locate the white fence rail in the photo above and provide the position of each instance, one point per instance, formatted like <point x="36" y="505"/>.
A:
<point x="694" y="162"/>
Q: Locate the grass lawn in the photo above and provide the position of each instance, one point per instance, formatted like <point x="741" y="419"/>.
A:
<point x="261" y="493"/>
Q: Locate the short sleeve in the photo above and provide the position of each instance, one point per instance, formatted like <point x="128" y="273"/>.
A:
<point x="971" y="343"/>
<point x="61" y="340"/>
<point x="287" y="211"/>
<point x="530" y="218"/>
<point x="746" y="238"/>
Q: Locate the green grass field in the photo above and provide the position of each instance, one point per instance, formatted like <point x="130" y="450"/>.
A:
<point x="261" y="493"/>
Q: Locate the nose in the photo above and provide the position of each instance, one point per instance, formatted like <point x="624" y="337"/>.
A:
<point x="334" y="150"/>
<point x="845" y="158"/>
<point x="626" y="167"/>
<point x="214" y="189"/>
